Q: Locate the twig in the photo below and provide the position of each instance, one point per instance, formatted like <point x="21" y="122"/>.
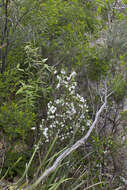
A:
<point x="119" y="188"/>
<point x="94" y="185"/>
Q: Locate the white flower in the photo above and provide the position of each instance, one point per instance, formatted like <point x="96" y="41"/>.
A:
<point x="75" y="84"/>
<point x="58" y="77"/>
<point x="57" y="101"/>
<point x="88" y="122"/>
<point x="68" y="78"/>
<point x="78" y="96"/>
<point x="73" y="74"/>
<point x="53" y="125"/>
<point x="41" y="127"/>
<point x="36" y="146"/>
<point x="72" y="92"/>
<point x="52" y="109"/>
<point x="82" y="99"/>
<point x="71" y="88"/>
<point x="42" y="120"/>
<point x="51" y="117"/>
<point x="58" y="85"/>
<point x="63" y="72"/>
<point x="81" y="106"/>
<point x="56" y="122"/>
<point x="45" y="132"/>
<point x="62" y="138"/>
<point x="55" y="71"/>
<point x="49" y="104"/>
<point x="33" y="128"/>
<point x="82" y="116"/>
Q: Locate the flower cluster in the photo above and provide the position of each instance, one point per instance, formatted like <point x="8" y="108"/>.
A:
<point x="67" y="111"/>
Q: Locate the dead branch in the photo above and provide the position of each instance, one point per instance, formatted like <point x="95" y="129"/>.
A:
<point x="68" y="151"/>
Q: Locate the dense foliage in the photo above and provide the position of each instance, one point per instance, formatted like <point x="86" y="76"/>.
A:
<point x="56" y="59"/>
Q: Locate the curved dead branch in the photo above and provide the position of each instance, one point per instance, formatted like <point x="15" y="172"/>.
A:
<point x="68" y="151"/>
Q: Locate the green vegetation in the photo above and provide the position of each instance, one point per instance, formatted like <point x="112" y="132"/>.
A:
<point x="60" y="62"/>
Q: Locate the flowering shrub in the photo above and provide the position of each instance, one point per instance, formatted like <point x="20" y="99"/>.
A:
<point x="67" y="113"/>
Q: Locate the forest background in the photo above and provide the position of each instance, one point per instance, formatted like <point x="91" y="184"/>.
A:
<point x="61" y="62"/>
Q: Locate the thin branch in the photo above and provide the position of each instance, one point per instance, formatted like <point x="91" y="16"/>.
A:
<point x="68" y="151"/>
<point x="94" y="185"/>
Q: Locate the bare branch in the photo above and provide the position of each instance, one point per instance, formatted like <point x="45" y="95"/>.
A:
<point x="71" y="149"/>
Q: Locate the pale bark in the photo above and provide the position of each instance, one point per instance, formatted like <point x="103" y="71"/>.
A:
<point x="68" y="151"/>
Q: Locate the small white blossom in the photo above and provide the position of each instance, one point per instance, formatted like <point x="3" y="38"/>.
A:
<point x="63" y="72"/>
<point x="52" y="109"/>
<point x="51" y="116"/>
<point x="36" y="146"/>
<point x="41" y="127"/>
<point x="105" y="152"/>
<point x="75" y="84"/>
<point x="58" y="85"/>
<point x="72" y="92"/>
<point x="71" y="88"/>
<point x="58" y="77"/>
<point x="49" y="104"/>
<point x="82" y="100"/>
<point x="73" y="74"/>
<point x="45" y="132"/>
<point x="88" y="122"/>
<point x="57" y="101"/>
<point x="33" y="128"/>
<point x="82" y="116"/>
<point x="55" y="72"/>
